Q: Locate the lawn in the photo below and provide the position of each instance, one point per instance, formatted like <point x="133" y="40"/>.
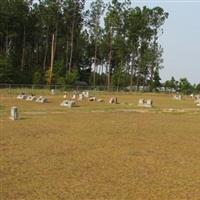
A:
<point x="98" y="151"/>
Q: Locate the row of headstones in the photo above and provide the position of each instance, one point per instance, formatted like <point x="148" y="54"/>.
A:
<point x="113" y="100"/>
<point x="72" y="103"/>
<point x="39" y="99"/>
<point x="69" y="103"/>
<point x="83" y="95"/>
<point x="196" y="97"/>
<point x="179" y="97"/>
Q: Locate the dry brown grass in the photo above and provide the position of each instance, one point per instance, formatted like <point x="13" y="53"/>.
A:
<point x="57" y="153"/>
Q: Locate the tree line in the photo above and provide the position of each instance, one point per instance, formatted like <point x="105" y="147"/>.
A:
<point x="182" y="85"/>
<point x="62" y="42"/>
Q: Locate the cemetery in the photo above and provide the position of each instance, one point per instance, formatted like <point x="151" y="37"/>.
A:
<point x="99" y="100"/>
<point x="96" y="141"/>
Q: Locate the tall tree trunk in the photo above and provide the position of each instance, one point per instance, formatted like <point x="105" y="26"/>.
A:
<point x="154" y="63"/>
<point x="52" y="58"/>
<point x="7" y="45"/>
<point x="72" y="44"/>
<point x="132" y="66"/>
<point x="95" y="65"/>
<point x="45" y="55"/>
<point x="55" y="40"/>
<point x="66" y="56"/>
<point x="23" y="50"/>
<point x="109" y="63"/>
<point x="137" y="82"/>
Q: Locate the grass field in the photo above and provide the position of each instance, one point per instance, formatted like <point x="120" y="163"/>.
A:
<point x="98" y="151"/>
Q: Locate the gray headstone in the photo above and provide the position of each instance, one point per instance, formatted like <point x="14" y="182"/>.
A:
<point x="14" y="114"/>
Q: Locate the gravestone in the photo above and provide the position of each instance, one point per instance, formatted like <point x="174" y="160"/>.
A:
<point x="53" y="92"/>
<point x="145" y="103"/>
<point x="73" y="96"/>
<point x="31" y="98"/>
<point x="14" y="114"/>
<point x="149" y="102"/>
<point x="197" y="102"/>
<point x="113" y="100"/>
<point x="65" y="95"/>
<point x="80" y="97"/>
<point x="197" y="97"/>
<point x="41" y="99"/>
<point x="21" y="96"/>
<point x="92" y="99"/>
<point x="86" y="94"/>
<point x="178" y="97"/>
<point x="141" y="102"/>
<point x="68" y="103"/>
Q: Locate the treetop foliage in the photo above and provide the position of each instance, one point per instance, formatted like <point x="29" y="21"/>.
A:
<point x="58" y="41"/>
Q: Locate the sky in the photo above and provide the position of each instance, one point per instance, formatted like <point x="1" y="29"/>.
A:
<point x="181" y="38"/>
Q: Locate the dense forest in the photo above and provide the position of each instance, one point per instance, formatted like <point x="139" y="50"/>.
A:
<point x="62" y="42"/>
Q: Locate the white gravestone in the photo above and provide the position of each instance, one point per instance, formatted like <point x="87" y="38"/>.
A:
<point x="14" y="114"/>
<point x="86" y="94"/>
<point x="41" y="99"/>
<point x="68" y="103"/>
<point x="74" y="97"/>
<point x="21" y="96"/>
<point x="145" y="103"/>
<point x="53" y="92"/>
<point x="113" y="100"/>
<point x="80" y="97"/>
<point x="92" y="99"/>
<point x="65" y="95"/>
<point x="178" y="97"/>
<point x="31" y="98"/>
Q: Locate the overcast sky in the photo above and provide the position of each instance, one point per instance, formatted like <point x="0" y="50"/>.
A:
<point x="181" y="38"/>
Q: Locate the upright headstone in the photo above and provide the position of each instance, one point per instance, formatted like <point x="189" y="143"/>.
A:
<point x="65" y="95"/>
<point x="80" y="97"/>
<point x="113" y="100"/>
<point x="149" y="103"/>
<point x="141" y="102"/>
<point x="145" y="103"/>
<point x="86" y="94"/>
<point x="73" y="96"/>
<point x="178" y="97"/>
<point x="53" y="92"/>
<point x="67" y="103"/>
<point x="14" y="114"/>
